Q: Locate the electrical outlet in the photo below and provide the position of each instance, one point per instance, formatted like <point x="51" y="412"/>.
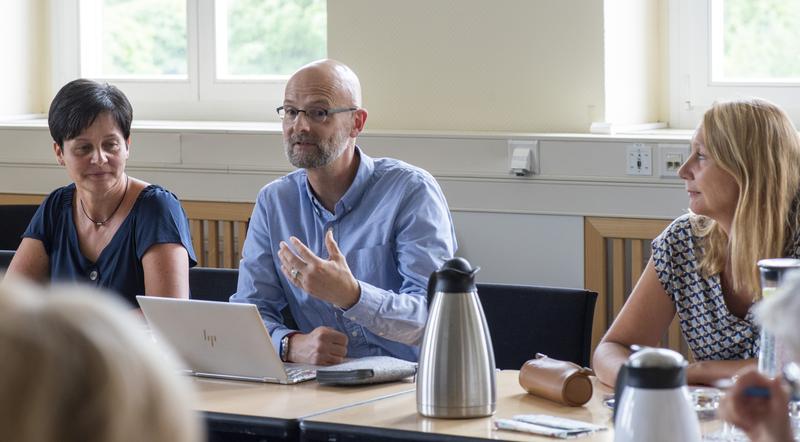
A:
<point x="671" y="158"/>
<point x="533" y="146"/>
<point x="639" y="159"/>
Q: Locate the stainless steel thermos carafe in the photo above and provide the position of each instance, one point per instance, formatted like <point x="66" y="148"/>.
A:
<point x="456" y="377"/>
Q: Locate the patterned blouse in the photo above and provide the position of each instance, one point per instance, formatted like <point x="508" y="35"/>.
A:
<point x="712" y="332"/>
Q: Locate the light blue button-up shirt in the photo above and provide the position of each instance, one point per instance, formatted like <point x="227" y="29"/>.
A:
<point x="394" y="228"/>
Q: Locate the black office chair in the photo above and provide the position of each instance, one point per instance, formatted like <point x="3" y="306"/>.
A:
<point x="212" y="284"/>
<point x="14" y="219"/>
<point x="5" y="258"/>
<point x="525" y="320"/>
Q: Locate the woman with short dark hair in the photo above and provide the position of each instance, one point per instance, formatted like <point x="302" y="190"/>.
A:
<point x="106" y="228"/>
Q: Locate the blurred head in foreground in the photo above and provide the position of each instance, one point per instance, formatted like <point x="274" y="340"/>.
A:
<point x="77" y="367"/>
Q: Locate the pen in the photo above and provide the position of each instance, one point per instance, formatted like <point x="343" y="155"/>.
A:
<point x="791" y="373"/>
<point x="760" y="392"/>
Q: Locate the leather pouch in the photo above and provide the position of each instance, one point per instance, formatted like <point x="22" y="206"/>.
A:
<point x="561" y="381"/>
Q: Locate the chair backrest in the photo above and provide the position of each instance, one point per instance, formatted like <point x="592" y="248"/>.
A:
<point x="14" y="219"/>
<point x="5" y="258"/>
<point x="218" y="231"/>
<point x="525" y="320"/>
<point x="616" y="252"/>
<point x="213" y="284"/>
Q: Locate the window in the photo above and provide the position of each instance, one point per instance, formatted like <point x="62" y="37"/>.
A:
<point x="728" y="49"/>
<point x="144" y="39"/>
<point x="190" y="59"/>
<point x="295" y="34"/>
<point x="755" y="41"/>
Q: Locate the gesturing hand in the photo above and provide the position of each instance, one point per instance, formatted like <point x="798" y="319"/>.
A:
<point x="327" y="279"/>
<point x="323" y="346"/>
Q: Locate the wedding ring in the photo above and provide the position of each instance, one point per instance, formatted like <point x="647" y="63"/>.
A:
<point x="294" y="272"/>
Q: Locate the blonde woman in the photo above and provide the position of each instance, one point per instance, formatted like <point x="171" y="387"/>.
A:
<point x="742" y="177"/>
<point x="76" y="368"/>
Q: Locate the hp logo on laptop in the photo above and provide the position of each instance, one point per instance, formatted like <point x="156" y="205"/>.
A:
<point x="209" y="338"/>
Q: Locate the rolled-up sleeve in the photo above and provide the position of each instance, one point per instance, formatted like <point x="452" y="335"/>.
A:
<point x="424" y="238"/>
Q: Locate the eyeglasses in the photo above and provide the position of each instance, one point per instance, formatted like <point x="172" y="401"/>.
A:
<point x="315" y="114"/>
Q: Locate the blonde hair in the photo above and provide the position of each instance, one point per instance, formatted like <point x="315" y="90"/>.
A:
<point x="75" y="367"/>
<point x="756" y="143"/>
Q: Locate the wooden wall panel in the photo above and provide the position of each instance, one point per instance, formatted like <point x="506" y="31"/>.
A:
<point x="608" y="260"/>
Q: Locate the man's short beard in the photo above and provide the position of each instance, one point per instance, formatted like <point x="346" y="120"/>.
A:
<point x="325" y="152"/>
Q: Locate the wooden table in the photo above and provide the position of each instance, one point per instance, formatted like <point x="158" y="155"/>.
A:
<point x="396" y="418"/>
<point x="312" y="412"/>
<point x="273" y="411"/>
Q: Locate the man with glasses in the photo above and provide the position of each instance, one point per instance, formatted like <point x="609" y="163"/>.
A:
<point x="347" y="242"/>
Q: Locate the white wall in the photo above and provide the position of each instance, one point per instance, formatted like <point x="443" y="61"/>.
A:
<point x="518" y="229"/>
<point x="521" y="66"/>
<point x="664" y="63"/>
<point x="23" y="45"/>
<point x="505" y="65"/>
<point x="632" y="61"/>
<point x="522" y="248"/>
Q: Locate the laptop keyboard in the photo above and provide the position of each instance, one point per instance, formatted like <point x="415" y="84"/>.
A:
<point x="299" y="374"/>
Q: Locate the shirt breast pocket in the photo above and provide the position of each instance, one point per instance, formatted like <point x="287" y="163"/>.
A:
<point x="374" y="265"/>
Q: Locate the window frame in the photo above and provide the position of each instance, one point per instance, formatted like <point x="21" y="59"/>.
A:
<point x="237" y="89"/>
<point x="692" y="89"/>
<point x="201" y="96"/>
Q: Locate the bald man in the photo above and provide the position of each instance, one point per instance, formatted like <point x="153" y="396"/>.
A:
<point x="347" y="241"/>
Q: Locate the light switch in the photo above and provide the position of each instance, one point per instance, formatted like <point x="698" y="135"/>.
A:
<point x="639" y="159"/>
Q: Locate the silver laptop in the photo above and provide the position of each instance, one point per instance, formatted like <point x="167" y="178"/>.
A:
<point x="221" y="340"/>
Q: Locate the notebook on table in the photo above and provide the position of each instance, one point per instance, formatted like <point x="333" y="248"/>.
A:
<point x="221" y="340"/>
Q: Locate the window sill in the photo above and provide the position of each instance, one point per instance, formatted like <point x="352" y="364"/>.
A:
<point x="248" y="127"/>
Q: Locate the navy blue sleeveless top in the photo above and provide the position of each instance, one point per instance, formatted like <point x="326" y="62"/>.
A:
<point x="155" y="218"/>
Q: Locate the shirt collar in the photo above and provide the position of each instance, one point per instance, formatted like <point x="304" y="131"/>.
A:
<point x="356" y="190"/>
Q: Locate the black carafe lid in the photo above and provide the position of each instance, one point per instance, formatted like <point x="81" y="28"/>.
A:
<point x="656" y="368"/>
<point x="650" y="368"/>
<point x="456" y="276"/>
